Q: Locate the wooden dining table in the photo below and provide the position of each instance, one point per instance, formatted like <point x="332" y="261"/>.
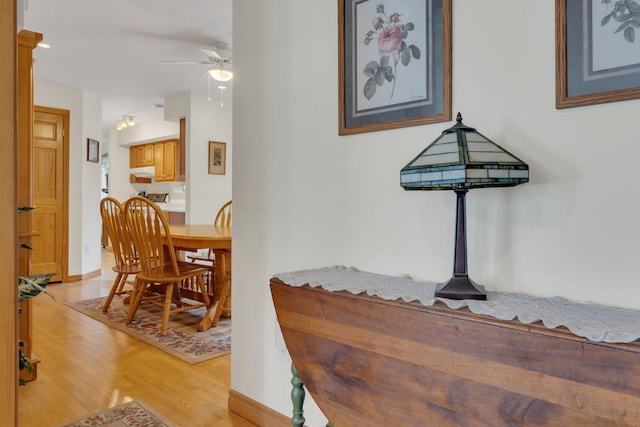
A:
<point x="191" y="237"/>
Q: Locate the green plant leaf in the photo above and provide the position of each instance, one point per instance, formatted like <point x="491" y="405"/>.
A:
<point x="605" y="20"/>
<point x="30" y="286"/>
<point x="630" y="34"/>
<point x="370" y="88"/>
<point x="621" y="27"/>
<point x="25" y="209"/>
<point x="409" y="26"/>
<point x="384" y="60"/>
<point x="388" y="73"/>
<point x="379" y="78"/>
<point x="633" y="7"/>
<point x="415" y="51"/>
<point x="25" y="246"/>
<point x="622" y="18"/>
<point x="370" y="69"/>
<point x="405" y="56"/>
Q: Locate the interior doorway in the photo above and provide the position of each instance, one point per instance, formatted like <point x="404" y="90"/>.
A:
<point x="50" y="192"/>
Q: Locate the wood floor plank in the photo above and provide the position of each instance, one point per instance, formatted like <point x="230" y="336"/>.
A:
<point x="88" y="367"/>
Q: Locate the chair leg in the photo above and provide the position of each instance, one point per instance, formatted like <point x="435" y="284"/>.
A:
<point x="203" y="290"/>
<point x="123" y="282"/>
<point x="117" y="284"/>
<point x="166" y="309"/>
<point x="136" y="296"/>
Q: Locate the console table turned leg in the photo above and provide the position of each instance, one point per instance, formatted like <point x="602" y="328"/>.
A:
<point x="297" y="397"/>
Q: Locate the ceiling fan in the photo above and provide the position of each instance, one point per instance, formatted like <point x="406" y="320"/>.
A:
<point x="221" y="70"/>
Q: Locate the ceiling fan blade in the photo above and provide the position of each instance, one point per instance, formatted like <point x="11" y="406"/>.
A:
<point x="202" y="74"/>
<point x="187" y="62"/>
<point x="212" y="54"/>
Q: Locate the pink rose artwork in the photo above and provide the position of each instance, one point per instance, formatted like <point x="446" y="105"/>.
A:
<point x="390" y="32"/>
<point x="390" y="39"/>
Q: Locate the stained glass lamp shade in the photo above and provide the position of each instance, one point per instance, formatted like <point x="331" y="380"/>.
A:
<point x="459" y="160"/>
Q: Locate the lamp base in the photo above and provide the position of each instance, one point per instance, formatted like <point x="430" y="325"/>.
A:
<point x="460" y="287"/>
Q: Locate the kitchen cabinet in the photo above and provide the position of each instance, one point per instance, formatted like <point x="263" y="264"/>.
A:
<point x="165" y="156"/>
<point x="165" y="160"/>
<point x="141" y="155"/>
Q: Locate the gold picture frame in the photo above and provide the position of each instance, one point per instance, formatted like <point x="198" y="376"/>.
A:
<point x="217" y="158"/>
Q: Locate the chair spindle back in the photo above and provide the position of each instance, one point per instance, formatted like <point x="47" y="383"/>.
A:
<point x="149" y="230"/>
<point x="112" y="213"/>
<point x="223" y="218"/>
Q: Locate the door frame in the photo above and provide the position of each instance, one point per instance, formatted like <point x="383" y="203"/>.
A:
<point x="9" y="214"/>
<point x="66" y="114"/>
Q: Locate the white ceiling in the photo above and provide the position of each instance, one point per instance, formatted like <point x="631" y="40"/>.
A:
<point x="114" y="48"/>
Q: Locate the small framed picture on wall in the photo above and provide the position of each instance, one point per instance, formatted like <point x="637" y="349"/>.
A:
<point x="93" y="150"/>
<point x="217" y="158"/>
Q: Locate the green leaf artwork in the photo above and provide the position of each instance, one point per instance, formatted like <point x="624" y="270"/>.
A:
<point x="627" y="14"/>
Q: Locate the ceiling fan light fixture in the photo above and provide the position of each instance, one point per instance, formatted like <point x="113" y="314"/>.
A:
<point x="220" y="74"/>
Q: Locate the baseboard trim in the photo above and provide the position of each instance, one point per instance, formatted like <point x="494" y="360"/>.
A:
<point x="256" y="412"/>
<point x="79" y="277"/>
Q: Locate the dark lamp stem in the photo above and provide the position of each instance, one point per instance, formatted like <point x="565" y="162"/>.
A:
<point x="460" y="254"/>
<point x="460" y="286"/>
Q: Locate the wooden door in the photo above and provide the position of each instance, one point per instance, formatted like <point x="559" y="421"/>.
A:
<point x="50" y="180"/>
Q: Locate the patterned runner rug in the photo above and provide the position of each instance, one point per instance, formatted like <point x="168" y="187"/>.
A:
<point x="135" y="413"/>
<point x="182" y="339"/>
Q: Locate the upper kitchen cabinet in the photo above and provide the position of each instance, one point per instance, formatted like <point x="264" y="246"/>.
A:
<point x="141" y="155"/>
<point x="166" y="160"/>
<point x="164" y="156"/>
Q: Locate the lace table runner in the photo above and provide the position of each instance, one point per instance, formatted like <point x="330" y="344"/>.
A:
<point x="596" y="323"/>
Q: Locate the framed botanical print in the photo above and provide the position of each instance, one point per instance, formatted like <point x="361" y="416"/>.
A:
<point x="597" y="51"/>
<point x="394" y="64"/>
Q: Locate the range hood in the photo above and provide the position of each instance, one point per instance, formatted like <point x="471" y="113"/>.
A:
<point x="143" y="172"/>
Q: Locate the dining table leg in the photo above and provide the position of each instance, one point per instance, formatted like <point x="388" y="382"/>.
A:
<point x="221" y="286"/>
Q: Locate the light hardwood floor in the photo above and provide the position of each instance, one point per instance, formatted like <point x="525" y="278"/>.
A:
<point x="88" y="367"/>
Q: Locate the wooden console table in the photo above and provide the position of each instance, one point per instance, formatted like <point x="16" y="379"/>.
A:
<point x="373" y="362"/>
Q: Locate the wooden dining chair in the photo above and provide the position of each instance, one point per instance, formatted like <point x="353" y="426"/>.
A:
<point x="158" y="262"/>
<point x="223" y="219"/>
<point x="126" y="259"/>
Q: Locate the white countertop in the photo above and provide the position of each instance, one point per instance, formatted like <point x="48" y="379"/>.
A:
<point x="172" y="207"/>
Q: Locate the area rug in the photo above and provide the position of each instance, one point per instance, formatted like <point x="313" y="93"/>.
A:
<point x="135" y="413"/>
<point x="182" y="339"/>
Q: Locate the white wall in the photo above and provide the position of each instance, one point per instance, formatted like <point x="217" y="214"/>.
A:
<point x="305" y="197"/>
<point x="205" y="121"/>
<point x="84" y="177"/>
<point x="207" y="193"/>
<point x="91" y="184"/>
